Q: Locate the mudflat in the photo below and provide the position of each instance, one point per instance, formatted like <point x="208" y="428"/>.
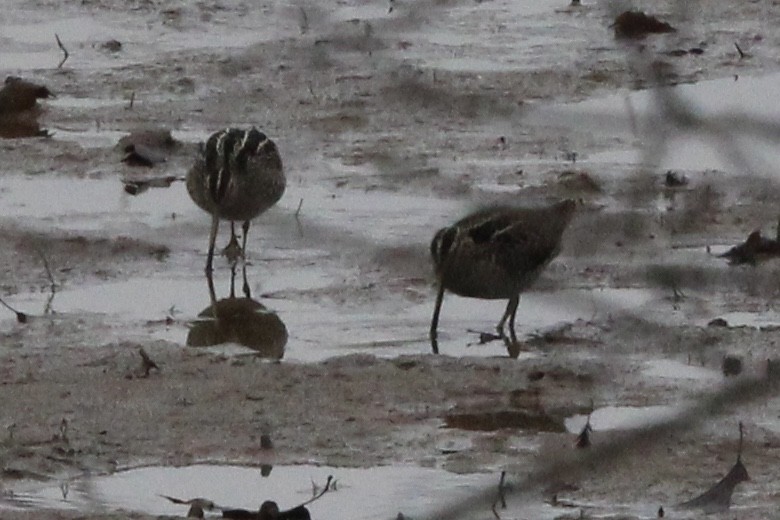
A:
<point x="391" y="123"/>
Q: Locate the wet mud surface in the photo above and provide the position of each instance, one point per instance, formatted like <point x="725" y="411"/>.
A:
<point x="390" y="126"/>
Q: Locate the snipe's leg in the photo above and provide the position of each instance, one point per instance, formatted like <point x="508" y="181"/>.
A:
<point x="212" y="294"/>
<point x="232" y="281"/>
<point x="212" y="240"/>
<point x="435" y="320"/>
<point x="233" y="251"/>
<point x="245" y="229"/>
<point x="233" y="238"/>
<point x="512" y="345"/>
<point x="513" y="302"/>
<point x="509" y="313"/>
<point x="247" y="292"/>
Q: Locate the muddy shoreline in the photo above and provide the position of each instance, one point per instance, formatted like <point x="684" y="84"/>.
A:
<point x="390" y="125"/>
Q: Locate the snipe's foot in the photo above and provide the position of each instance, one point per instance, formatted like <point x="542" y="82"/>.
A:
<point x="513" y="346"/>
<point x="485" y="337"/>
<point x="233" y="251"/>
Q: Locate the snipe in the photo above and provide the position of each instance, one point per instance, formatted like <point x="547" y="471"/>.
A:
<point x="495" y="254"/>
<point x="237" y="176"/>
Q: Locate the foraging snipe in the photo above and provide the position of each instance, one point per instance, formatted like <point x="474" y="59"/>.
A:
<point x="237" y="176"/>
<point x="495" y="254"/>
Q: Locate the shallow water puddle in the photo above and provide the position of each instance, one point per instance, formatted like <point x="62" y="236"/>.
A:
<point x="175" y="309"/>
<point x="88" y="204"/>
<point x="101" y="204"/>
<point x="305" y="299"/>
<point x="757" y="97"/>
<point x="540" y="311"/>
<point x="92" y="138"/>
<point x="75" y="30"/>
<point x="166" y="307"/>
<point x="622" y="417"/>
<point x="64" y="101"/>
<point x="455" y="41"/>
<point x="143" y="36"/>
<point x="378" y="216"/>
<point x="36" y="47"/>
<point x="379" y="493"/>
<point x="769" y="319"/>
<point x="132" y="300"/>
<point x="321" y="329"/>
<point x="670" y="369"/>
<point x="99" y="137"/>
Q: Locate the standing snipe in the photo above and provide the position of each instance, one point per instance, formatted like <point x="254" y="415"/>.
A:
<point x="495" y="254"/>
<point x="237" y="176"/>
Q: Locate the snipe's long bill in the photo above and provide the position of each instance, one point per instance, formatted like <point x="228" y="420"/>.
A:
<point x="495" y="254"/>
<point x="237" y="176"/>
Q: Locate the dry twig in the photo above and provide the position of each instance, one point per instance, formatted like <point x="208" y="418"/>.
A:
<point x="20" y="316"/>
<point x="501" y="496"/>
<point x="317" y="496"/>
<point x="147" y="364"/>
<point x="47" y="269"/>
<point x="304" y="22"/>
<point x="583" y="439"/>
<point x="64" y="50"/>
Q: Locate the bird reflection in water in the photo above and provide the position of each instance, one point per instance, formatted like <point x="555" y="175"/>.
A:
<point x="243" y="321"/>
<point x="269" y="510"/>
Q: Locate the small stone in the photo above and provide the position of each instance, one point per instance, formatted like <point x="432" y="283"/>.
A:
<point x="112" y="45"/>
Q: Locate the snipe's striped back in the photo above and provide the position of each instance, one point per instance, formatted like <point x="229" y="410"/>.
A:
<point x="237" y="176"/>
<point x="497" y="253"/>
